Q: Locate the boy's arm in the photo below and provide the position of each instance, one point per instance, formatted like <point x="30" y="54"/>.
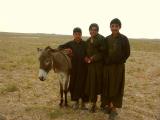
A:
<point x="64" y="46"/>
<point x="127" y="49"/>
<point x="99" y="55"/>
<point x="67" y="47"/>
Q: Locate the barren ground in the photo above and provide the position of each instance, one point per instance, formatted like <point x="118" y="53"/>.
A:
<point x="24" y="97"/>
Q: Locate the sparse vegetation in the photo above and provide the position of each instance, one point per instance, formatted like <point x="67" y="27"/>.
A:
<point x="24" y="97"/>
<point x="9" y="88"/>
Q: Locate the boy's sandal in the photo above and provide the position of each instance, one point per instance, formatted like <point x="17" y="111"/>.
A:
<point x="84" y="108"/>
<point x="75" y="106"/>
<point x="93" y="109"/>
<point x="112" y="115"/>
<point x="106" y="110"/>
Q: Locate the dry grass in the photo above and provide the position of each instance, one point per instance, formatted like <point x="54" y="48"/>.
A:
<point x="24" y="97"/>
<point x="8" y="88"/>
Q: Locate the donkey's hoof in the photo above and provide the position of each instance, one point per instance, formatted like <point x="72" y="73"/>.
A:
<point x="66" y="105"/>
<point x="60" y="104"/>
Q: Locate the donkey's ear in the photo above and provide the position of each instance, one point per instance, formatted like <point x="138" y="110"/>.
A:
<point x="39" y="49"/>
<point x="48" y="48"/>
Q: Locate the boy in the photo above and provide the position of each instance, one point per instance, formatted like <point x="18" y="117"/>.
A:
<point x="77" y="48"/>
<point x="95" y="66"/>
<point x="117" y="52"/>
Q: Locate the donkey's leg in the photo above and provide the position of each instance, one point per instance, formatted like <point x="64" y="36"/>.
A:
<point x="61" y="93"/>
<point x="61" y="87"/>
<point x="66" y="89"/>
<point x="66" y="102"/>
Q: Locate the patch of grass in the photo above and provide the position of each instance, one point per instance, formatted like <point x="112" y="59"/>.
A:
<point x="38" y="101"/>
<point x="28" y="85"/>
<point x="145" y="45"/>
<point x="55" y="113"/>
<point x="38" y="108"/>
<point x="9" y="88"/>
<point x="28" y="109"/>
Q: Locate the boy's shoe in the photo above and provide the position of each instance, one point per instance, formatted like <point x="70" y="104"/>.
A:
<point x="102" y="105"/>
<point x="93" y="108"/>
<point x="112" y="115"/>
<point x="83" y="106"/>
<point x="106" y="110"/>
<point x="75" y="105"/>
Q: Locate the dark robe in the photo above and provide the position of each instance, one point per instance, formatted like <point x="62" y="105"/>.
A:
<point x="78" y="71"/>
<point x="116" y="54"/>
<point x="95" y="68"/>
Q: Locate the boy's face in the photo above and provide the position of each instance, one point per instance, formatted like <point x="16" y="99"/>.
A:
<point x="115" y="28"/>
<point x="93" y="31"/>
<point x="77" y="36"/>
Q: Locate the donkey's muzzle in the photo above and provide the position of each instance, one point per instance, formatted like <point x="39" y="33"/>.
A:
<point x="42" y="74"/>
<point x="41" y="78"/>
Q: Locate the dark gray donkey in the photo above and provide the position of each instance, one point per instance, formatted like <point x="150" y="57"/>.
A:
<point x="59" y="61"/>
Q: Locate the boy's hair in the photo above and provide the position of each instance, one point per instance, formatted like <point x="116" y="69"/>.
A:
<point x="77" y="29"/>
<point x="115" y="21"/>
<point x="94" y="25"/>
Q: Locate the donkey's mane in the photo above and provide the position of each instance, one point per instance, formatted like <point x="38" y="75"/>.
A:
<point x="48" y="48"/>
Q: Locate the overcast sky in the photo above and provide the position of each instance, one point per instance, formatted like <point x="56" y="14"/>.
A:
<point x="140" y="18"/>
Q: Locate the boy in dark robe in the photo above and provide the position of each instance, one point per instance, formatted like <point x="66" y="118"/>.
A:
<point x="116" y="54"/>
<point x="77" y="48"/>
<point x="95" y="65"/>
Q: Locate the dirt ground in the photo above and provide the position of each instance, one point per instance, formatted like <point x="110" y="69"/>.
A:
<point x="24" y="97"/>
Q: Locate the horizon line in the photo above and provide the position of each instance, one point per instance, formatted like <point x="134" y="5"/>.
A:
<point x="67" y="34"/>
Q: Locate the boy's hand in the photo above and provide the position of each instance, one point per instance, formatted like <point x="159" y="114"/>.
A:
<point x="91" y="58"/>
<point x="69" y="51"/>
<point x="87" y="60"/>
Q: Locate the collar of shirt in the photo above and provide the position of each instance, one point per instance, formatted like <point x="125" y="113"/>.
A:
<point x="115" y="36"/>
<point x="77" y="41"/>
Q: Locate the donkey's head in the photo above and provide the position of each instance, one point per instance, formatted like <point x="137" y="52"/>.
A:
<point x="45" y="59"/>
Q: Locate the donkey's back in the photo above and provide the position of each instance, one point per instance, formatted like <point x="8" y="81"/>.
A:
<point x="61" y="62"/>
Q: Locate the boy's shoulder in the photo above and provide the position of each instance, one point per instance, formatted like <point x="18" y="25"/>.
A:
<point x="121" y="36"/>
<point x="83" y="41"/>
<point x="100" y="36"/>
<point x="88" y="39"/>
<point x="107" y="36"/>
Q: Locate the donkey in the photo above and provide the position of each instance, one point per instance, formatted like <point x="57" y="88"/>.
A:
<point x="59" y="61"/>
